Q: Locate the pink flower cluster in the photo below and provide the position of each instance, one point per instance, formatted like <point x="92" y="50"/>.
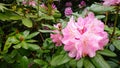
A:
<point x="82" y="4"/>
<point x="57" y="37"/>
<point x="68" y="11"/>
<point x="111" y="2"/>
<point x="45" y="7"/>
<point x="30" y="2"/>
<point x="82" y="38"/>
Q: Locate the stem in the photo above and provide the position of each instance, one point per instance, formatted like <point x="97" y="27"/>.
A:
<point x="38" y="7"/>
<point x="41" y="37"/>
<point x="106" y="19"/>
<point x="49" y="7"/>
<point x="115" y="23"/>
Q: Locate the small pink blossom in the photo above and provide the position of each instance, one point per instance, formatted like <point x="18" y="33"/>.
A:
<point x="82" y="4"/>
<point x="57" y="37"/>
<point x="24" y="2"/>
<point x="111" y="2"/>
<point x="44" y="6"/>
<point x="84" y="37"/>
<point x="54" y="6"/>
<point x="32" y="3"/>
<point x="68" y="11"/>
<point x="68" y="4"/>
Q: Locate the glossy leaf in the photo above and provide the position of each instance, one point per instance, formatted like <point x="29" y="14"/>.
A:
<point x="33" y="46"/>
<point x="40" y="62"/>
<point x="59" y="60"/>
<point x="88" y="64"/>
<point x="80" y="63"/>
<point x="14" y="40"/>
<point x="7" y="45"/>
<point x="46" y="31"/>
<point x="32" y="35"/>
<point x="99" y="62"/>
<point x="24" y="45"/>
<point x="100" y="8"/>
<point x="116" y="43"/>
<point x="31" y="41"/>
<point x="27" y="22"/>
<point x="45" y="17"/>
<point x="73" y="63"/>
<point x="17" y="46"/>
<point x="26" y="33"/>
<point x="24" y="62"/>
<point x="107" y="52"/>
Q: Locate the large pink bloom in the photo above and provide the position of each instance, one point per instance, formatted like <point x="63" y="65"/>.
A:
<point x="111" y="2"/>
<point x="84" y="37"/>
<point x="57" y="37"/>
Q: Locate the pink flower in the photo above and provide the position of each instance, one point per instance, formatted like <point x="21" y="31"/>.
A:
<point x="32" y="3"/>
<point x="68" y="4"/>
<point x="82" y="4"/>
<point x="54" y="6"/>
<point x="68" y="11"/>
<point x="57" y="37"/>
<point x="44" y="6"/>
<point x="84" y="37"/>
<point x="111" y="2"/>
<point x="24" y="2"/>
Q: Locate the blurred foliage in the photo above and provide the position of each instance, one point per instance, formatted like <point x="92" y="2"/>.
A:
<point x="25" y="42"/>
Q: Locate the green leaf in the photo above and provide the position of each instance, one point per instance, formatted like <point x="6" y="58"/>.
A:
<point x="107" y="52"/>
<point x="2" y="7"/>
<point x="31" y="41"/>
<point x="33" y="46"/>
<point x="32" y="35"/>
<point x="26" y="33"/>
<point x="112" y="47"/>
<point x="88" y="64"/>
<point x="45" y="17"/>
<point x="14" y="40"/>
<point x="8" y="58"/>
<point x="40" y="62"/>
<point x="49" y="26"/>
<point x="98" y="8"/>
<point x="99" y="62"/>
<point x="24" y="62"/>
<point x="57" y="14"/>
<point x="24" y="45"/>
<point x="27" y="22"/>
<point x="46" y="31"/>
<point x="48" y="44"/>
<point x="108" y="29"/>
<point x="113" y="64"/>
<point x="80" y="63"/>
<point x="13" y="53"/>
<point x="116" y="43"/>
<point x="100" y="16"/>
<point x="59" y="60"/>
<point x="7" y="45"/>
<point x="3" y="17"/>
<point x="17" y="46"/>
<point x="73" y="63"/>
<point x="15" y="16"/>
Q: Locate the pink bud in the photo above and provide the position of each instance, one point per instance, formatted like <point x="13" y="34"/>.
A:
<point x="68" y="4"/>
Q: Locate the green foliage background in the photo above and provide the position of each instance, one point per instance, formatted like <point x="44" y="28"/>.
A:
<point x="25" y="41"/>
